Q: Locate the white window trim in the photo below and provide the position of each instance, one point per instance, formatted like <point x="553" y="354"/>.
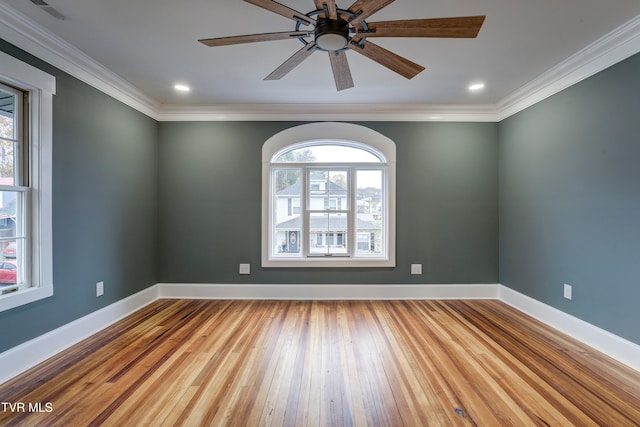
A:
<point x="328" y="132"/>
<point x="41" y="87"/>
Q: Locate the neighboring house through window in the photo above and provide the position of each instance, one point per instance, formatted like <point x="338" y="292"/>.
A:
<point x="328" y="197"/>
<point x="26" y="272"/>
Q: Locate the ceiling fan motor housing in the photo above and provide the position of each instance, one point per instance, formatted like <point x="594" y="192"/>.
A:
<point x="331" y="35"/>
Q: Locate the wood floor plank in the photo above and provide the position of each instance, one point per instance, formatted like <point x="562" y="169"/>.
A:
<point x="326" y="363"/>
<point x="561" y="362"/>
<point x="525" y="383"/>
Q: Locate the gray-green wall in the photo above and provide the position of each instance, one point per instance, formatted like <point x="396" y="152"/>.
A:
<point x="570" y="200"/>
<point x="210" y="197"/>
<point x="105" y="192"/>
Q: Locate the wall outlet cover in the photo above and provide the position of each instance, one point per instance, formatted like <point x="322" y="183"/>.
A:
<point x="245" y="269"/>
<point x="99" y="289"/>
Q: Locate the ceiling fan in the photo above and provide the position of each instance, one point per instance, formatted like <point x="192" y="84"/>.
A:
<point x="334" y="30"/>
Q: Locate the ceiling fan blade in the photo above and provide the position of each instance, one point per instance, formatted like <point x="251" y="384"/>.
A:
<point x="331" y="7"/>
<point x="460" y="27"/>
<point x="292" y="62"/>
<point x="366" y="8"/>
<point x="341" y="71"/>
<point x="283" y="10"/>
<point x="385" y="57"/>
<point x="251" y="38"/>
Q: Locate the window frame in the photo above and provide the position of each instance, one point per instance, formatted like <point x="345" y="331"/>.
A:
<point x="38" y="253"/>
<point x="21" y="237"/>
<point x="329" y="133"/>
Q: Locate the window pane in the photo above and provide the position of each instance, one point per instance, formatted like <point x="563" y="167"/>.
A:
<point x="7" y="137"/>
<point x="370" y="211"/>
<point x="7" y="108"/>
<point x="327" y="153"/>
<point x="328" y="190"/>
<point x="328" y="233"/>
<point x="11" y="238"/>
<point x="10" y="215"/>
<point x="287" y="221"/>
<point x="7" y="162"/>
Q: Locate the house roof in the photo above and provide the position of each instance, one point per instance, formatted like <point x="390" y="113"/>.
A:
<point x="336" y="223"/>
<point x="333" y="189"/>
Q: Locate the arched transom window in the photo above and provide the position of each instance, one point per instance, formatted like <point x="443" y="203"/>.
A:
<point x="328" y="201"/>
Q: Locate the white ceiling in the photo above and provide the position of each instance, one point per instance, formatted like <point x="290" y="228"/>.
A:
<point x="152" y="44"/>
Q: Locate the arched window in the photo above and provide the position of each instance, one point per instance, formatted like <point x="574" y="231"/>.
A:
<point x="328" y="197"/>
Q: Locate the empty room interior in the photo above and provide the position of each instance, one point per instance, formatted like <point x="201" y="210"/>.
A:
<point x="319" y="213"/>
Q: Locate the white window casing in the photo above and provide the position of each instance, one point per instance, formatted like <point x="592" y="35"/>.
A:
<point x="38" y="196"/>
<point x="329" y="133"/>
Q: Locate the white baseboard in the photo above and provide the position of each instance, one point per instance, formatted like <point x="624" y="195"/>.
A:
<point x="612" y="345"/>
<point x="27" y="355"/>
<point x="327" y="292"/>
<point x="30" y="353"/>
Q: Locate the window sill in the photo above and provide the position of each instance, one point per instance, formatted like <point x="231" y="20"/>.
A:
<point x="328" y="262"/>
<point x="24" y="296"/>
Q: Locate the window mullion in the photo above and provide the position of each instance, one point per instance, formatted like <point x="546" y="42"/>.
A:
<point x="305" y="234"/>
<point x="272" y="209"/>
<point x="351" y="216"/>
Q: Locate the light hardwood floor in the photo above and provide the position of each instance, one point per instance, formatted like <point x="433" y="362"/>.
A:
<point x="326" y="363"/>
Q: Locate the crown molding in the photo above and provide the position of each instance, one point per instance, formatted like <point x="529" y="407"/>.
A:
<point x="31" y="37"/>
<point x="614" y="47"/>
<point x="610" y="49"/>
<point x="329" y="112"/>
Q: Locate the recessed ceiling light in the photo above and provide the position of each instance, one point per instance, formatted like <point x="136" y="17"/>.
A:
<point x="476" y="87"/>
<point x="182" y="88"/>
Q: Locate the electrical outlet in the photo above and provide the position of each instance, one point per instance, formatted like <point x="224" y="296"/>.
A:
<point x="245" y="269"/>
<point x="568" y="291"/>
<point x="99" y="289"/>
<point x="416" y="268"/>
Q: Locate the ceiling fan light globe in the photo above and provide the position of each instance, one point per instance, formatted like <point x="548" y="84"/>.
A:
<point x="331" y="35"/>
<point x="331" y="42"/>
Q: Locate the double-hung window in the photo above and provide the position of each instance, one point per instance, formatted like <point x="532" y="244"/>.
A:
<point x="14" y="190"/>
<point x="328" y="203"/>
<point x="26" y="102"/>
